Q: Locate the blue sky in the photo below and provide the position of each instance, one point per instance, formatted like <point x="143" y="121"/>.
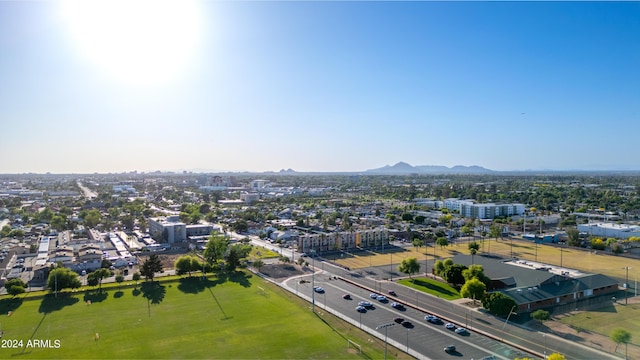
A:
<point x="318" y="86"/>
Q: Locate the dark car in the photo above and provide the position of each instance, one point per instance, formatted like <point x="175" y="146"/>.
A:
<point x="450" y="348"/>
<point x="407" y="324"/>
<point x="346" y="297"/>
<point x="399" y="320"/>
<point x="392" y="293"/>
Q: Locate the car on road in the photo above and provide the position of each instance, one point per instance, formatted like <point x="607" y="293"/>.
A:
<point x="407" y="324"/>
<point x="450" y="326"/>
<point x="461" y="330"/>
<point x="450" y="348"/>
<point x="373" y="296"/>
<point x="381" y="298"/>
<point x="346" y="297"/>
<point x="397" y="305"/>
<point x="392" y="293"/>
<point x="365" y="304"/>
<point x="398" y="320"/>
<point x="318" y="289"/>
<point x="361" y="308"/>
<point x="433" y="319"/>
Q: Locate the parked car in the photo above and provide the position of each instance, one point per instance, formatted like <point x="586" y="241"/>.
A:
<point x="397" y="305"/>
<point x="392" y="293"/>
<point x="450" y="326"/>
<point x="346" y="297"/>
<point x="450" y="348"/>
<point x="399" y="320"/>
<point x="381" y="298"/>
<point x="318" y="289"/>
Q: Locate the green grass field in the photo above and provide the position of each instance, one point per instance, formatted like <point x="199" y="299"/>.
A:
<point x="433" y="287"/>
<point x="229" y="318"/>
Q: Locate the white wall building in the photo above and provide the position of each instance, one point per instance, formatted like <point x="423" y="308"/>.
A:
<point x="469" y="208"/>
<point x="610" y="230"/>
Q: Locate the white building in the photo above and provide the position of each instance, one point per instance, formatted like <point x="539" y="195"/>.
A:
<point x="469" y="208"/>
<point x="168" y="229"/>
<point x="610" y="230"/>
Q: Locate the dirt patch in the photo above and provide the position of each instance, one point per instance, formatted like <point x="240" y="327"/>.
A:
<point x="167" y="260"/>
<point x="282" y="271"/>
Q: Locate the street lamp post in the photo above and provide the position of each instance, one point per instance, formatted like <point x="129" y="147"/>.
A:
<point x="508" y="316"/>
<point x="407" y="340"/>
<point x="385" y="326"/>
<point x="545" y="345"/>
<point x="626" y="284"/>
<point x="391" y="267"/>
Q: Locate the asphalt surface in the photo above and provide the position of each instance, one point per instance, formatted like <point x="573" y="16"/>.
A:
<point x="487" y="335"/>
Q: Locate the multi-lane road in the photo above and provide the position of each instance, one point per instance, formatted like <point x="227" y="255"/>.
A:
<point x="423" y="340"/>
<point x="488" y="336"/>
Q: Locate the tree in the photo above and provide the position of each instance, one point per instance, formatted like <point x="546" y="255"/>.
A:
<point x="259" y="263"/>
<point x="15" y="286"/>
<point x="495" y="232"/>
<point x="541" y="315"/>
<point x="409" y="266"/>
<point x="63" y="278"/>
<point x="473" y="289"/>
<point x="234" y="254"/>
<point x="453" y="274"/>
<point x="476" y="272"/>
<point x="498" y="304"/>
<point x="95" y="278"/>
<point x="91" y="218"/>
<point x="136" y="276"/>
<point x="119" y="278"/>
<point x="442" y="242"/>
<point x="151" y="266"/>
<point x="92" y="280"/>
<point x="5" y="231"/>
<point x="58" y="222"/>
<point x="418" y="243"/>
<point x="182" y="265"/>
<point x="473" y="249"/>
<point x="573" y="237"/>
<point x="619" y="336"/>
<point x="216" y="248"/>
<point x="187" y="264"/>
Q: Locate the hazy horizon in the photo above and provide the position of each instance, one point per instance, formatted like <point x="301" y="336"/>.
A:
<point x="117" y="86"/>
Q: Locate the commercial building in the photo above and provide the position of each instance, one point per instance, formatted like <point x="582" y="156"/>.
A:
<point x="610" y="230"/>
<point x="536" y="285"/>
<point x="167" y="229"/>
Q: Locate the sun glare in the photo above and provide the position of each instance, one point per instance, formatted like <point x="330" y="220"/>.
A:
<point x="138" y="42"/>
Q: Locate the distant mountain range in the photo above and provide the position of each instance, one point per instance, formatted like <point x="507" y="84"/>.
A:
<point x="404" y="168"/>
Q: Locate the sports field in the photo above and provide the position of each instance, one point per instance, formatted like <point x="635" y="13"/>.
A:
<point x="585" y="260"/>
<point x="240" y="317"/>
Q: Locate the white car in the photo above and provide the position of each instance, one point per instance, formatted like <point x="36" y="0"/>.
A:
<point x="461" y="330"/>
<point x="381" y="298"/>
<point x="450" y="326"/>
<point x="318" y="289"/>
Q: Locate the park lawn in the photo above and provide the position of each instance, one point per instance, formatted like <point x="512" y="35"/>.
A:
<point x="432" y="287"/>
<point x="189" y="318"/>
<point x="604" y="320"/>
